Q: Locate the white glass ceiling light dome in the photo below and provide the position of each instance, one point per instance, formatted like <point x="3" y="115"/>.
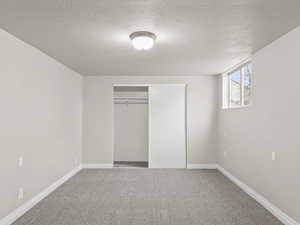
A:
<point x="142" y="40"/>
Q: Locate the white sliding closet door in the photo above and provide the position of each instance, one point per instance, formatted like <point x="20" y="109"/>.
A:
<point x="167" y="131"/>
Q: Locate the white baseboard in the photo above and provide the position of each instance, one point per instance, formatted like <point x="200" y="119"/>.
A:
<point x="283" y="217"/>
<point x="202" y="166"/>
<point x="13" y="216"/>
<point x="97" y="166"/>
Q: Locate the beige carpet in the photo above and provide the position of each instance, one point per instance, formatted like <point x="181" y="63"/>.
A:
<point x="148" y="197"/>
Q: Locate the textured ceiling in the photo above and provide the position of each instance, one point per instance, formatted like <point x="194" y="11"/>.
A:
<point x="194" y="37"/>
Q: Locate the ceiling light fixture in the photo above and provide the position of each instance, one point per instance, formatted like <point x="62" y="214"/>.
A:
<point x="142" y="40"/>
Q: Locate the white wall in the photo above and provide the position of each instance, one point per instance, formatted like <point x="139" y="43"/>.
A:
<point x="40" y="120"/>
<point x="201" y="116"/>
<point x="131" y="128"/>
<point x="271" y="124"/>
<point x="131" y="132"/>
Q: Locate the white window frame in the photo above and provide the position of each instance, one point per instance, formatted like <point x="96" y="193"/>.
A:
<point x="226" y="87"/>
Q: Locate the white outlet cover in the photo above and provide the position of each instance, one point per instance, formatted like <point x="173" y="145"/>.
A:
<point x="20" y="161"/>
<point x="273" y="156"/>
<point x="20" y="193"/>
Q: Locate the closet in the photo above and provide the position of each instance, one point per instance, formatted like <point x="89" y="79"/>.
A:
<point x="131" y="126"/>
<point x="150" y="125"/>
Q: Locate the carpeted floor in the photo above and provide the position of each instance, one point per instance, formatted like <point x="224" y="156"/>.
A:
<point x="148" y="197"/>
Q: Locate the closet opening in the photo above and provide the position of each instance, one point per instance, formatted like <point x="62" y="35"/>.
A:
<point x="131" y="126"/>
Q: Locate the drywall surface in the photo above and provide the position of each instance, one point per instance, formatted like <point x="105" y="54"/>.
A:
<point x="98" y="116"/>
<point x="167" y="133"/>
<point x="40" y="121"/>
<point x="271" y="124"/>
<point x="131" y="128"/>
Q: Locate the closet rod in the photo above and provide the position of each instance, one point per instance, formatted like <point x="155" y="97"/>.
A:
<point x="129" y="103"/>
<point x="130" y="98"/>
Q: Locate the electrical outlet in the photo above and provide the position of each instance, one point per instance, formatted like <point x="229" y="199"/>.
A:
<point x="273" y="156"/>
<point x="20" y="194"/>
<point x="20" y="161"/>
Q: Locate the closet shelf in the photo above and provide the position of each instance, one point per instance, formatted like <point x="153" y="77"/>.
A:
<point x="130" y="100"/>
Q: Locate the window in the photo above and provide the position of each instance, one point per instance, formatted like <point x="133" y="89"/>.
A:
<point x="237" y="87"/>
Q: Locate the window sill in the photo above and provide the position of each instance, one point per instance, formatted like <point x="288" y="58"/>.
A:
<point x="237" y="107"/>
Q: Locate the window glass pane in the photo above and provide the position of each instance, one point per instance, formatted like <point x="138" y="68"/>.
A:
<point x="235" y="88"/>
<point x="247" y="71"/>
